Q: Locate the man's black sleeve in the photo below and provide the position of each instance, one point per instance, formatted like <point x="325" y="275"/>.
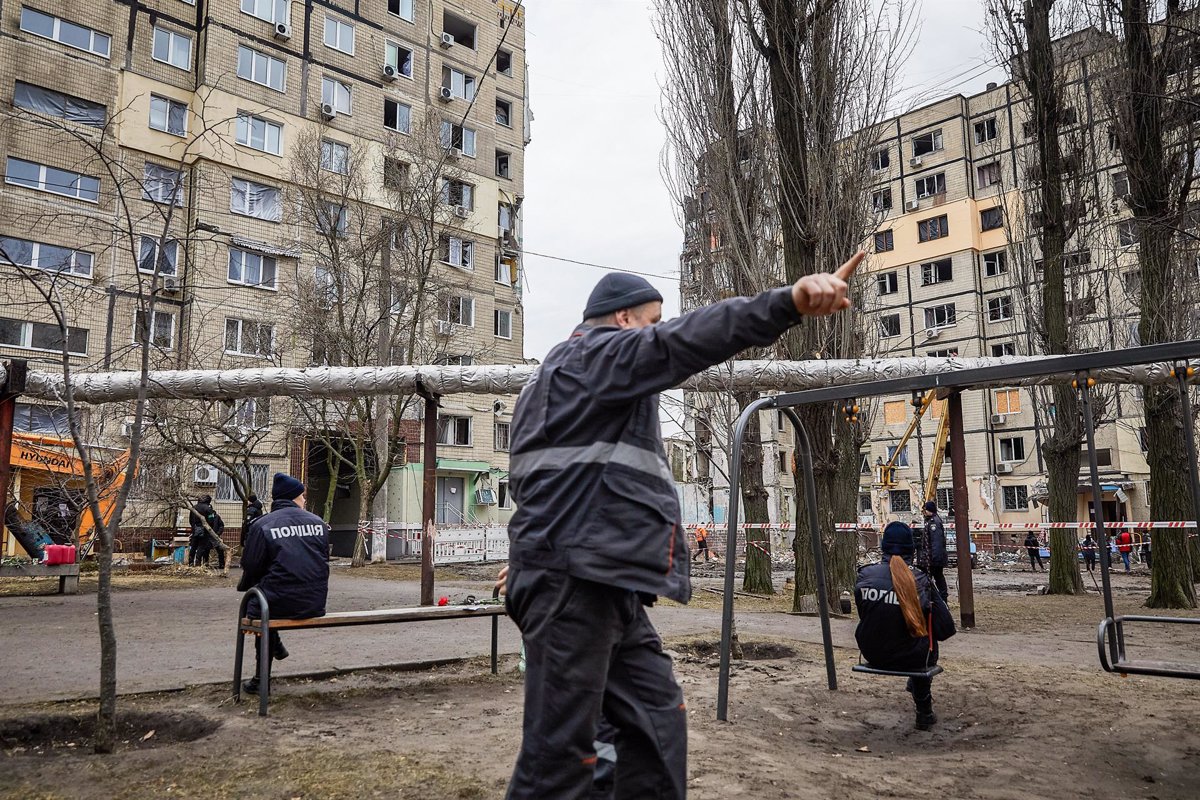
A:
<point x="254" y="558"/>
<point x="638" y="362"/>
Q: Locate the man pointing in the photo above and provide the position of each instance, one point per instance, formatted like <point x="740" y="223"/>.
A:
<point x="597" y="534"/>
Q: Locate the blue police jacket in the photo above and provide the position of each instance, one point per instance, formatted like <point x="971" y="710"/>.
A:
<point x="594" y="492"/>
<point x="882" y="634"/>
<point x="287" y="558"/>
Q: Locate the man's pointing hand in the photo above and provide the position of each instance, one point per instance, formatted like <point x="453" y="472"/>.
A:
<point x="828" y="293"/>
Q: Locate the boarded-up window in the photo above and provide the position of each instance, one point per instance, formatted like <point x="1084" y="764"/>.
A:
<point x="893" y="412"/>
<point x="1008" y="401"/>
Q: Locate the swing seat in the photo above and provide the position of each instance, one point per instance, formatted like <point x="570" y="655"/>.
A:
<point x="929" y="672"/>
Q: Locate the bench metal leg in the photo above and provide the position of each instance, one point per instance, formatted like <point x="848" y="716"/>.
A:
<point x="239" y="652"/>
<point x="264" y="667"/>
<point x="495" y="640"/>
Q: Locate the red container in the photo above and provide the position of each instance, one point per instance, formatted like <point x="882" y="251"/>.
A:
<point x="51" y="551"/>
<point x="59" y="554"/>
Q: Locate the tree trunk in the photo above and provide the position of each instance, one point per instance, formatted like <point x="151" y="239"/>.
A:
<point x="754" y="506"/>
<point x="1061" y="450"/>
<point x="1171" y="574"/>
<point x="333" y="470"/>
<point x="364" y="525"/>
<point x="105" y="738"/>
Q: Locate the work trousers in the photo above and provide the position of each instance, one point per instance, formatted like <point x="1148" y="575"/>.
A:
<point x="1089" y="559"/>
<point x="921" y="690"/>
<point x="1035" y="555"/>
<point x="939" y="580"/>
<point x="590" y="648"/>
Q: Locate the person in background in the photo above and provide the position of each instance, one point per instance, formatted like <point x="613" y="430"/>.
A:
<point x="1145" y="549"/>
<point x="1034" y="548"/>
<point x="935" y="535"/>
<point x="1124" y="541"/>
<point x="286" y="557"/>
<point x="1089" y="552"/>
<point x="207" y="527"/>
<point x="254" y="510"/>
<point x="701" y="543"/>
<point x="901" y="617"/>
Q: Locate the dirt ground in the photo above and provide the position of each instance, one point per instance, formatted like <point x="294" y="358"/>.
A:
<point x="1017" y="721"/>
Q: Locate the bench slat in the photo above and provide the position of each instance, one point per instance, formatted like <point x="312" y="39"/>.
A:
<point x="37" y="570"/>
<point x="380" y="616"/>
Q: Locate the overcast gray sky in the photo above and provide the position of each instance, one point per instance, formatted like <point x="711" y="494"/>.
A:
<point x="593" y="188"/>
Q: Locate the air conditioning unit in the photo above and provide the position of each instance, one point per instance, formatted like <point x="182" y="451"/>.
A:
<point x="912" y="205"/>
<point x="461" y="212"/>
<point x="443" y="327"/>
<point x="998" y="419"/>
<point x="498" y="407"/>
<point x="445" y="95"/>
<point x="1003" y="469"/>
<point x="170" y="284"/>
<point x="485" y="497"/>
<point x="447" y="40"/>
<point x="389" y="73"/>
<point x="915" y="161"/>
<point x="453" y="153"/>
<point x="283" y="31"/>
<point x="204" y="475"/>
<point x="932" y="333"/>
<point x="328" y="111"/>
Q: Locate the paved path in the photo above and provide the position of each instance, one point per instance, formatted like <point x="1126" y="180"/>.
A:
<point x="171" y="638"/>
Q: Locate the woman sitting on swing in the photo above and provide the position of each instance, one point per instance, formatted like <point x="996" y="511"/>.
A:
<point x="900" y="619"/>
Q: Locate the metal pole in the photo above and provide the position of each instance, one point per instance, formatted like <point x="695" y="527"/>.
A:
<point x="15" y="372"/>
<point x="1089" y="424"/>
<point x="962" y="511"/>
<point x="429" y="501"/>
<point x="1181" y="374"/>
<point x="735" y="475"/>
<point x="804" y="448"/>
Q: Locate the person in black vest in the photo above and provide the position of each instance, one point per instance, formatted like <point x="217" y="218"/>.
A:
<point x="935" y="535"/>
<point x="901" y="617"/>
<point x="1034" y="549"/>
<point x="286" y="557"/>
<point x="597" y="534"/>
<point x="254" y="510"/>
<point x="207" y="527"/>
<point x="1089" y="552"/>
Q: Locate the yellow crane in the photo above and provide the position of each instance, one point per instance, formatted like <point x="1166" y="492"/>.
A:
<point x="887" y="469"/>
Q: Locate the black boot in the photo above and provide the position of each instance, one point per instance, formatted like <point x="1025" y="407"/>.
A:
<point x="926" y="719"/>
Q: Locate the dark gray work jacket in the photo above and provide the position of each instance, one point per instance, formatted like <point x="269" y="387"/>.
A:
<point x="594" y="492"/>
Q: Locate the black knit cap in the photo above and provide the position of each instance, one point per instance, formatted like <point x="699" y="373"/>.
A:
<point x="897" y="540"/>
<point x="285" y="487"/>
<point x="618" y="290"/>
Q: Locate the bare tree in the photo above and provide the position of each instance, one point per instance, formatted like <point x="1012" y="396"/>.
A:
<point x="135" y="217"/>
<point x="1152" y="88"/>
<point x="378" y="294"/>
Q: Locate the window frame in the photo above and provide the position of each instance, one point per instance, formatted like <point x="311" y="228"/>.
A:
<point x="268" y="61"/>
<point x="263" y="260"/>
<point x="466" y="249"/>
<point x="171" y="104"/>
<point x="160" y="182"/>
<point x="35" y="252"/>
<point x="446" y="137"/>
<point x="990" y="129"/>
<point x="42" y="183"/>
<point x="153" y="332"/>
<point x="56" y="33"/>
<point x="407" y="129"/>
<point x="881" y="200"/>
<point x="950" y="312"/>
<point x="1019" y="491"/>
<point x="881" y="159"/>
<point x="242" y="325"/>
<point x="339" y="28"/>
<point x="246" y="120"/>
<point x="884" y="332"/>
<point x="450" y="429"/>
<point x="936" y="143"/>
<point x="464" y="302"/>
<point x="274" y="5"/>
<point x="895" y="493"/>
<point x="989" y="175"/>
<point x="997" y="266"/>
<point x="27" y="338"/>
<point x="338" y="89"/>
<point x="247" y="209"/>
<point x="507" y="438"/>
<point x="1015" y="445"/>
<point x="497" y="315"/>
<point x="335" y="154"/>
<point x="172" y="38"/>
<point x="887" y="282"/>
<point x="391" y="44"/>
<point x="926" y="228"/>
<point x="160" y="245"/>
<point x="889" y="239"/>
<point x="61" y="99"/>
<point x="932" y="272"/>
<point x="401" y="5"/>
<point x="1007" y="401"/>
<point x="998" y="306"/>
<point x="921" y="186"/>
<point x="996" y="214"/>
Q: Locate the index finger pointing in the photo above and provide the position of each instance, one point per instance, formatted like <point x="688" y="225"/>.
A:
<point x="846" y="271"/>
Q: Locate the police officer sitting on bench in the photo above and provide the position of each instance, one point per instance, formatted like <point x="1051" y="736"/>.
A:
<point x="287" y="558"/>
<point x="897" y="607"/>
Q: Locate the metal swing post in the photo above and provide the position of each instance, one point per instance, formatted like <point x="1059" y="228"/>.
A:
<point x="804" y="448"/>
<point x="1083" y="383"/>
<point x="1181" y="372"/>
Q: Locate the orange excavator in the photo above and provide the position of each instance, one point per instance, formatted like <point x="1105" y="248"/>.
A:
<point x="48" y="502"/>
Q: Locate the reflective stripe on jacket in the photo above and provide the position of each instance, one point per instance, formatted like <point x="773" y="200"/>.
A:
<point x="594" y="492"/>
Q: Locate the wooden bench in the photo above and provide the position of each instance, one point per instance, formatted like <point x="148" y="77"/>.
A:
<point x="67" y="574"/>
<point x="339" y="619"/>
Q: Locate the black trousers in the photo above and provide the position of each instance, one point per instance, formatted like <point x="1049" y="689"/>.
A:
<point x="939" y="580"/>
<point x="590" y="648"/>
<point x="1034" y="553"/>
<point x="276" y="650"/>
<point x="1089" y="560"/>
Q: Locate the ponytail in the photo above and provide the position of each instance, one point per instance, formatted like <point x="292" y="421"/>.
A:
<point x="905" y="587"/>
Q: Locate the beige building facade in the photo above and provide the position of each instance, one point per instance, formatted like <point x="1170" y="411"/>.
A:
<point x="153" y="179"/>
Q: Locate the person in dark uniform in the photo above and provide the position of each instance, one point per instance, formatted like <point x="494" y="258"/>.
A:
<point x="205" y="522"/>
<point x="1089" y="552"/>
<point x="935" y="536"/>
<point x="901" y="617"/>
<point x="254" y="510"/>
<point x="1034" y="548"/>
<point x="286" y="557"/>
<point x="1144" y="551"/>
<point x="597" y="534"/>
